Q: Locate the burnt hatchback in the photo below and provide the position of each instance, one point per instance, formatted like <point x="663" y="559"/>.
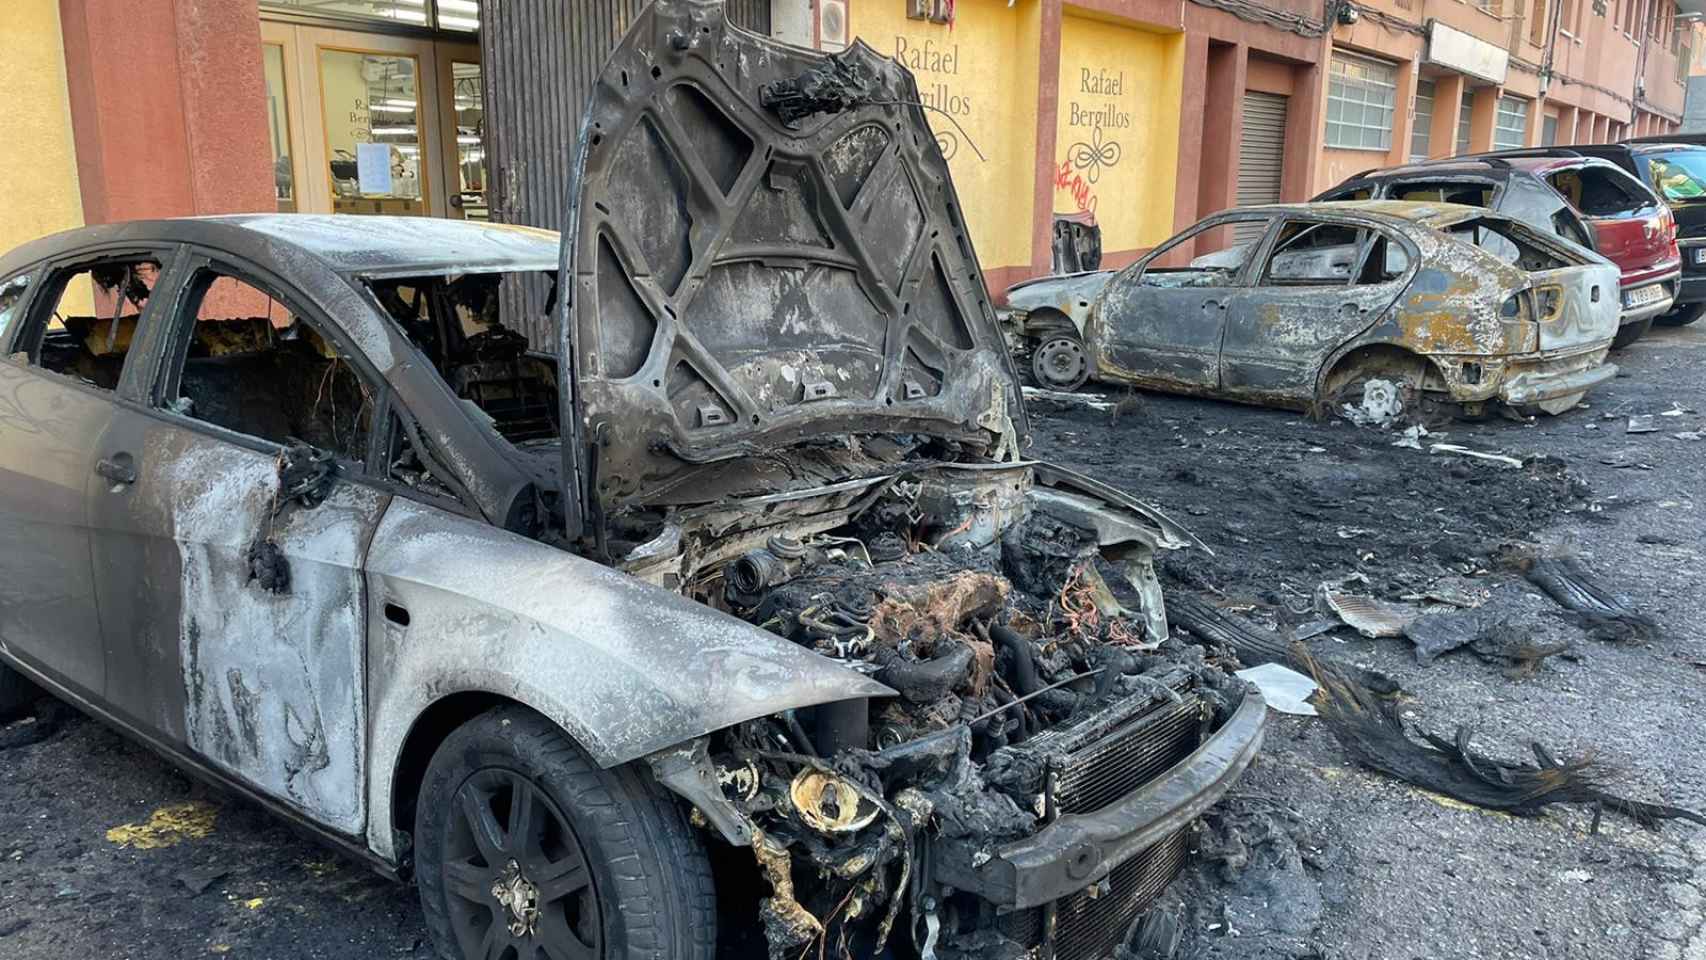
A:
<point x="743" y="627"/>
<point x="1435" y="304"/>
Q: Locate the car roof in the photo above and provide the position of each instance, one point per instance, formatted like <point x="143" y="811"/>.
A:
<point x="1424" y="213"/>
<point x="347" y="243"/>
<point x="1492" y="166"/>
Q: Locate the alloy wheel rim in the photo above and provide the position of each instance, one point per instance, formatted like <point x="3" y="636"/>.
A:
<point x="516" y="879"/>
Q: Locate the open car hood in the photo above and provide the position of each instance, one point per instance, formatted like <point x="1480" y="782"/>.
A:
<point x="765" y="247"/>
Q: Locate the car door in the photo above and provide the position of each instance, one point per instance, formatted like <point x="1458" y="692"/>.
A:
<point x="229" y="562"/>
<point x="59" y="380"/>
<point x="1163" y="325"/>
<point x="1320" y="283"/>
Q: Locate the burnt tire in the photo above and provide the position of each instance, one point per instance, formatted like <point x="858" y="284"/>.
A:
<point x="1631" y="332"/>
<point x="1682" y="316"/>
<point x="16" y="694"/>
<point x="513" y="814"/>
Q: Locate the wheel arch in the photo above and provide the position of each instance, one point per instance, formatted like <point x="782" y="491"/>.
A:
<point x="432" y="726"/>
<point x="1365" y="357"/>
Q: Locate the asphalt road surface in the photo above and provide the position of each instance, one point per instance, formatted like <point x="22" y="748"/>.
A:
<point x="107" y="851"/>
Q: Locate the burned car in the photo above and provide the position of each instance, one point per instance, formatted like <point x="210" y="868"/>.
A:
<point x="738" y="623"/>
<point x="1444" y="305"/>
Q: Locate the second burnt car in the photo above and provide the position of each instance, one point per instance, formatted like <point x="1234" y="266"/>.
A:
<point x="744" y="627"/>
<point x="1555" y="190"/>
<point x="1451" y="304"/>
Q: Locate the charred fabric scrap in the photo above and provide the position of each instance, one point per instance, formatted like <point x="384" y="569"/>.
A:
<point x="842" y="81"/>
<point x="1372" y="732"/>
<point x="1602" y="612"/>
<point x="1007" y="655"/>
<point x="305" y="477"/>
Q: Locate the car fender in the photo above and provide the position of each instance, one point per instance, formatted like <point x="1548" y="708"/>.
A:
<point x="626" y="668"/>
<point x="1069" y="294"/>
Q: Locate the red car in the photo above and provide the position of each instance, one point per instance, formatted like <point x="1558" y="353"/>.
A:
<point x="1586" y="200"/>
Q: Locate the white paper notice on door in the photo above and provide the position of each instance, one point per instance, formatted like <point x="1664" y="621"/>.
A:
<point x="373" y="167"/>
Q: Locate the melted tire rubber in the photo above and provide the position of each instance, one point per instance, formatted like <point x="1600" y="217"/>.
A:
<point x="650" y="873"/>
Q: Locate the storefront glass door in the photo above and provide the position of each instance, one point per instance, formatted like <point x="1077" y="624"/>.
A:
<point x="369" y="123"/>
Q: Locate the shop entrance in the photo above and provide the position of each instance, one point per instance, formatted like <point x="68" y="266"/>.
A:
<point x="369" y="123"/>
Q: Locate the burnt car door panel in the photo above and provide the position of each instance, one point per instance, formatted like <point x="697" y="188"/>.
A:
<point x="1165" y="325"/>
<point x="1322" y="284"/>
<point x="58" y="386"/>
<point x="228" y="566"/>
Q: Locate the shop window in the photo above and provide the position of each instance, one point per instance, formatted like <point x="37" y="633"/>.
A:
<point x="458" y="14"/>
<point x="1510" y="129"/>
<point x="89" y="331"/>
<point x="470" y="195"/>
<point x="411" y="12"/>
<point x="1361" y="96"/>
<point x="251" y="365"/>
<point x="278" y="125"/>
<point x="1423" y="126"/>
<point x="373" y="132"/>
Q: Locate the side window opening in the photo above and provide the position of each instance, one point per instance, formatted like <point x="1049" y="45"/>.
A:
<point x="1386" y="260"/>
<point x="1598" y="192"/>
<point x="1216" y="268"/>
<point x="1568" y="227"/>
<point x="1507" y="244"/>
<point x="1313" y="254"/>
<point x="96" y="307"/>
<point x="252" y="365"/>
<point x="467" y="327"/>
<point x="1444" y="191"/>
<point x="11" y="295"/>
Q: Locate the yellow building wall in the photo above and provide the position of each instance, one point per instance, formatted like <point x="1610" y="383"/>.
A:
<point x="983" y="74"/>
<point x="1117" y="129"/>
<point x="38" y="156"/>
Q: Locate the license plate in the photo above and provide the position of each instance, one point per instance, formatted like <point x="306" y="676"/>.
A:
<point x="1700" y="254"/>
<point x="1641" y="296"/>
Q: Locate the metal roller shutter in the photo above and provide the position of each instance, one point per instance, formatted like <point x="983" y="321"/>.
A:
<point x="1261" y="155"/>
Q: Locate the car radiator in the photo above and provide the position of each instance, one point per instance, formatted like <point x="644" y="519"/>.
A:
<point x="1095" y="765"/>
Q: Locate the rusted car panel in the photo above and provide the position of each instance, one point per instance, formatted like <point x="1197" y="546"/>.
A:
<point x="1290" y="328"/>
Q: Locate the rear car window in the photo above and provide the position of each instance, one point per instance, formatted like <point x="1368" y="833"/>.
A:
<point x="1501" y="240"/>
<point x="87" y="330"/>
<point x="1468" y="193"/>
<point x="1601" y="191"/>
<point x="1679" y="176"/>
<point x="1308" y="253"/>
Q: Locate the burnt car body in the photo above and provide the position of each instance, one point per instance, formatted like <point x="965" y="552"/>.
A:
<point x="767" y="593"/>
<point x="1554" y="190"/>
<point x="1451" y="302"/>
<point x="1676" y="171"/>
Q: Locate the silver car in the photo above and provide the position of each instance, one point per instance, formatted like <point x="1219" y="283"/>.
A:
<point x="743" y="602"/>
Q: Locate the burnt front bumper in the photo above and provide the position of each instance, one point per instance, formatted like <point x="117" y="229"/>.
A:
<point x="1078" y="851"/>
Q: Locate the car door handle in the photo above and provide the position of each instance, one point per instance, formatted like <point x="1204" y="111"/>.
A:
<point x="120" y="468"/>
<point x="1215" y="304"/>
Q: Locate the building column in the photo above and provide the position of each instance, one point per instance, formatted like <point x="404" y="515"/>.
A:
<point x="1193" y="114"/>
<point x="1403" y="116"/>
<point x="1306" y="128"/>
<point x="1482" y="118"/>
<point x="1584" y="127"/>
<point x="1223" y="131"/>
<point x="1536" y="122"/>
<point x="1048" y="107"/>
<point x="1448" y="99"/>
<point x="1567" y="125"/>
<point x="168" y="107"/>
<point x="1601" y="128"/>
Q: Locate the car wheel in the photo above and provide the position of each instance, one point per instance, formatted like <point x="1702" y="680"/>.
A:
<point x="1631" y="332"/>
<point x="1060" y="363"/>
<point x="525" y="848"/>
<point x="16" y="693"/>
<point x="1683" y="316"/>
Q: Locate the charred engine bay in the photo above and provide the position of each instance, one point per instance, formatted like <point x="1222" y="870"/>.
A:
<point x="1012" y="636"/>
